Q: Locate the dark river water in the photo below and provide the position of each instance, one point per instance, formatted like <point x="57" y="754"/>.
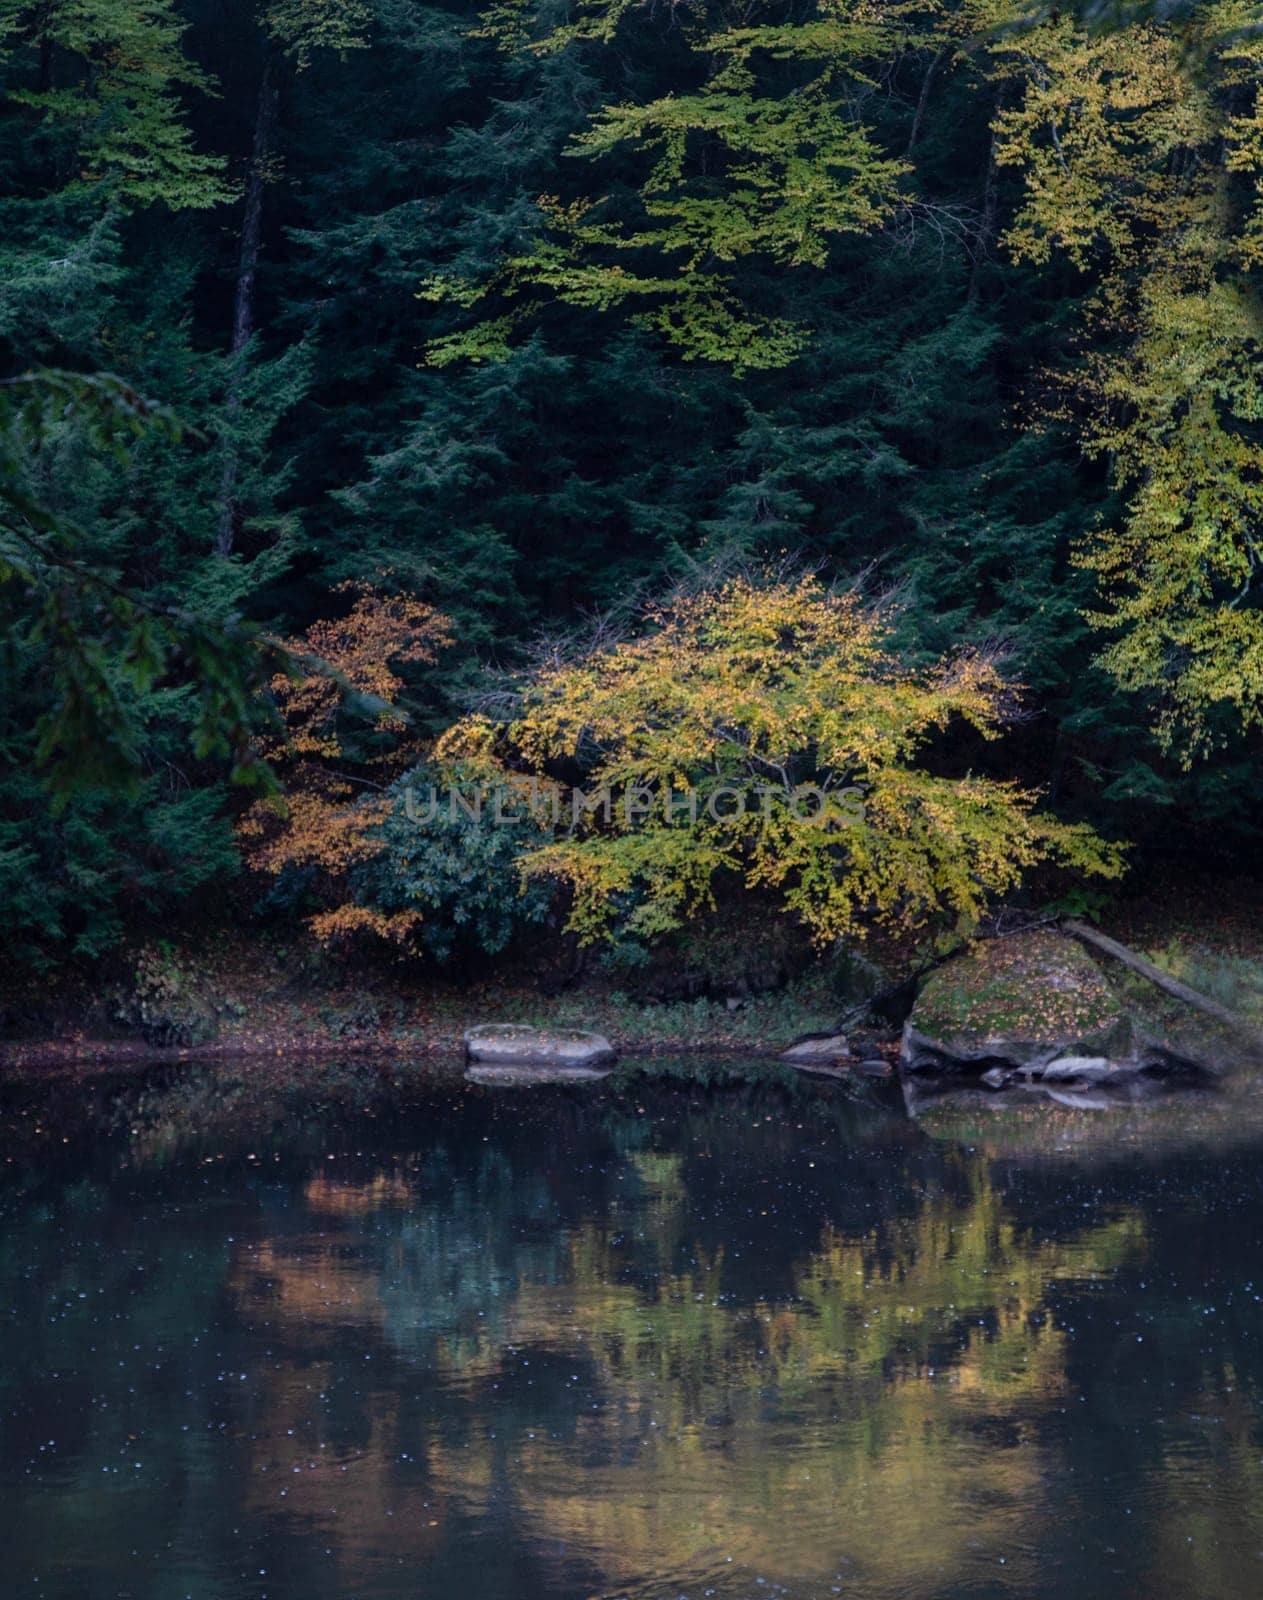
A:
<point x="370" y="1334"/>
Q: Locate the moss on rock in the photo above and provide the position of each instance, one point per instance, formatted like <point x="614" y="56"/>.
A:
<point x="1017" y="999"/>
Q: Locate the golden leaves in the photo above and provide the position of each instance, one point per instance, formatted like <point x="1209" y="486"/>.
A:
<point x="1134" y="145"/>
<point x="750" y="690"/>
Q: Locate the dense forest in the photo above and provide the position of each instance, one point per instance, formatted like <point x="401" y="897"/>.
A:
<point x="371" y="366"/>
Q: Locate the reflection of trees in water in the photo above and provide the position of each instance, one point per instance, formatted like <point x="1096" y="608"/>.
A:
<point x="571" y="1350"/>
<point x="886" y="1412"/>
<point x="1208" y="1511"/>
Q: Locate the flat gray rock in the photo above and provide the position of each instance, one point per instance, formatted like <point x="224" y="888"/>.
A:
<point x="1079" y="1069"/>
<point x="512" y="1044"/>
<point x="817" y="1052"/>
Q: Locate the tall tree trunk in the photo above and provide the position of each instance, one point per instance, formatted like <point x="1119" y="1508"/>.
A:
<point x="990" y="206"/>
<point x="243" y="304"/>
<point x="923" y="97"/>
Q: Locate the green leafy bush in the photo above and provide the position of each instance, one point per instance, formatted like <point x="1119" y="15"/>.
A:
<point x="460" y="875"/>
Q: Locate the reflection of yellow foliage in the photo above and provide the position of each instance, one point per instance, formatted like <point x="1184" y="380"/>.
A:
<point x="699" y="1466"/>
<point x="903" y="1377"/>
<point x="1210" y="1531"/>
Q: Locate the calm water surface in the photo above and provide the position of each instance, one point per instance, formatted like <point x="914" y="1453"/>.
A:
<point x="380" y="1337"/>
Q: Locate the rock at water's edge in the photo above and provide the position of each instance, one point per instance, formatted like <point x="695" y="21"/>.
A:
<point x="1080" y="1069"/>
<point x="559" y="1050"/>
<point x="817" y="1052"/>
<point x="1023" y="1001"/>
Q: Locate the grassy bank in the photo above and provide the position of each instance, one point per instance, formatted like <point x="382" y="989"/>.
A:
<point x="237" y="1000"/>
<point x="223" y="992"/>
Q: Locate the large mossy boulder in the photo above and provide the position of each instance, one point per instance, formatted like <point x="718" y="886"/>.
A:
<point x="1025" y="1001"/>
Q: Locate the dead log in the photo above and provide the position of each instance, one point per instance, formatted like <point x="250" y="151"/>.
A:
<point x="1162" y="980"/>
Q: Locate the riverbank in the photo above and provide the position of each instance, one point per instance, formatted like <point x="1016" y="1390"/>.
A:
<point x="259" y="1011"/>
<point x="221" y="993"/>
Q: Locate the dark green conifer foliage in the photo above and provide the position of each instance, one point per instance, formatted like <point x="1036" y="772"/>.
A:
<point x="600" y="458"/>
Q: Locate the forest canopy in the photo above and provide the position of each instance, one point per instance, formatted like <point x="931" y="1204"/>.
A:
<point x="463" y="326"/>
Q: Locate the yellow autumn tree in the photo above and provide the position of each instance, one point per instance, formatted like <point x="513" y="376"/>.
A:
<point x="765" y="729"/>
<point x="334" y="795"/>
<point x="1141" y="150"/>
<point x="1137" y="131"/>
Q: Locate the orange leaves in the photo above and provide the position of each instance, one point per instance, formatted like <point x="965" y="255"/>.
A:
<point x="355" y="651"/>
<point x="345" y="920"/>
<point x="329" y="830"/>
<point x="333" y="804"/>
